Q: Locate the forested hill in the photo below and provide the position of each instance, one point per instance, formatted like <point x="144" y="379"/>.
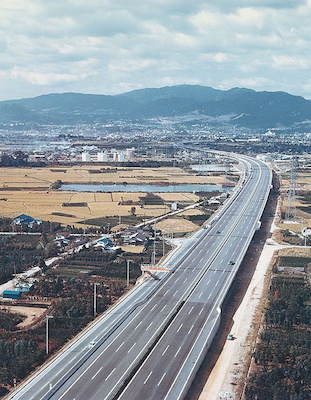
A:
<point x="239" y="107"/>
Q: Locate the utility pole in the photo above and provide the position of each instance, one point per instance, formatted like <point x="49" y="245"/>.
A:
<point x="163" y="242"/>
<point x="291" y="212"/>
<point x="94" y="302"/>
<point x="154" y="245"/>
<point x="47" y="317"/>
<point x="128" y="272"/>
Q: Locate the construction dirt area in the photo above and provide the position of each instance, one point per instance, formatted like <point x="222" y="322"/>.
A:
<point x="31" y="314"/>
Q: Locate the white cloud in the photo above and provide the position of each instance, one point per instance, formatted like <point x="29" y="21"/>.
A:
<point x="108" y="46"/>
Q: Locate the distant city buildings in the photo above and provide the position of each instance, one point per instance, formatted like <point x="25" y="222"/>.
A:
<point x="107" y="155"/>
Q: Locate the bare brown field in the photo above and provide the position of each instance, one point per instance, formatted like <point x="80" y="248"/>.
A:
<point x="303" y="184"/>
<point x="35" y="197"/>
<point x="176" y="225"/>
<point x="44" y="177"/>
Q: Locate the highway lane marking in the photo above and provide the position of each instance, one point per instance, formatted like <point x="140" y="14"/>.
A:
<point x="149" y="325"/>
<point x="190" y="329"/>
<point x="202" y="259"/>
<point x="179" y="328"/>
<point x="110" y="374"/>
<point x="132" y="347"/>
<point x="185" y="280"/>
<point x="97" y="373"/>
<point x="138" y="325"/>
<point x="153" y="307"/>
<point x="177" y="352"/>
<point x="200" y="294"/>
<point x="191" y="310"/>
<point x="120" y="347"/>
<point x="208" y="282"/>
<point x="201" y="311"/>
<point x="175" y="293"/>
<point x="163" y="307"/>
<point x="161" y="379"/>
<point x="148" y="377"/>
<point x="217" y="282"/>
<point x="166" y="292"/>
<point x="165" y="350"/>
<point x="209" y="296"/>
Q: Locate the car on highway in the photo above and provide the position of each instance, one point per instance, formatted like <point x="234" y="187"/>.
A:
<point x="91" y="344"/>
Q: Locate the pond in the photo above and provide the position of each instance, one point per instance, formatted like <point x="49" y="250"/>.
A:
<point x="142" y="188"/>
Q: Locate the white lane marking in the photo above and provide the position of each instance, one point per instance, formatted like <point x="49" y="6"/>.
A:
<point x="120" y="347"/>
<point x="132" y="347"/>
<point x="209" y="296"/>
<point x="110" y="374"/>
<point x="185" y="280"/>
<point x="165" y="350"/>
<point x="217" y="282"/>
<point x="149" y="325"/>
<point x="201" y="259"/>
<point x="175" y="293"/>
<point x="148" y="377"/>
<point x="201" y="311"/>
<point x="166" y="293"/>
<point x="163" y="307"/>
<point x="138" y="325"/>
<point x="179" y="328"/>
<point x="200" y="294"/>
<point x="208" y="282"/>
<point x="177" y="352"/>
<point x="190" y="329"/>
<point x="190" y="310"/>
<point x="97" y="372"/>
<point x="161" y="379"/>
<point x="154" y="307"/>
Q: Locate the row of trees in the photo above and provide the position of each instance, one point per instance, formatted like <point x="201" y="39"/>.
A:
<point x="283" y="355"/>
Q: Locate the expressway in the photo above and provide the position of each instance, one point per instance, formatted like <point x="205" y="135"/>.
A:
<point x="151" y="344"/>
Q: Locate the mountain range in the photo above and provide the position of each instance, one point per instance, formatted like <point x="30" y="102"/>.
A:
<point x="238" y="106"/>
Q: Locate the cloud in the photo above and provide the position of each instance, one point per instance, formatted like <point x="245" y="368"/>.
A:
<point x="108" y="46"/>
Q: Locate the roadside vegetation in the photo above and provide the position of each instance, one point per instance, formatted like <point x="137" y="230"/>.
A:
<point x="65" y="292"/>
<point x="282" y="357"/>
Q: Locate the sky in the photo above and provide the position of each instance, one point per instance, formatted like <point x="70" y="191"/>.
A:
<point x="115" y="46"/>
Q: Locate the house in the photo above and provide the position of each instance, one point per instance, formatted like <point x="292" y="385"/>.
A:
<point x="24" y="286"/>
<point x="62" y="239"/>
<point x="26" y="220"/>
<point x="105" y="243"/>
<point x="12" y="294"/>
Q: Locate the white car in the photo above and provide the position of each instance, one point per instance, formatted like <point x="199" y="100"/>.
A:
<point x="92" y="344"/>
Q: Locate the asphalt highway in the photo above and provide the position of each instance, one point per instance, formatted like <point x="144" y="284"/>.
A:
<point x="150" y="345"/>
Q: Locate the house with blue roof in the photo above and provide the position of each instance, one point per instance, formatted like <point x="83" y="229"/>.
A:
<point x="26" y="220"/>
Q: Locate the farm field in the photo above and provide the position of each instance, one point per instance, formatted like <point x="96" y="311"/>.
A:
<point x="28" y="191"/>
